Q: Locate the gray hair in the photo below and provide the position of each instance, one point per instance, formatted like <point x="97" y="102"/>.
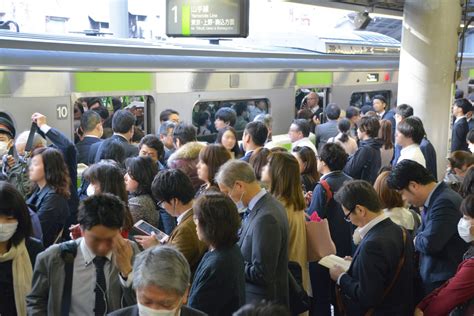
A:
<point x="265" y="119"/>
<point x="164" y="267"/>
<point x="235" y="170"/>
<point x="38" y="140"/>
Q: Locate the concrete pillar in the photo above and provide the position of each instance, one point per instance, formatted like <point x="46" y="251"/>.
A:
<point x="118" y="10"/>
<point x="427" y="65"/>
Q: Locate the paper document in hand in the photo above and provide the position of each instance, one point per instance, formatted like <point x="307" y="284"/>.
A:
<point x="332" y="260"/>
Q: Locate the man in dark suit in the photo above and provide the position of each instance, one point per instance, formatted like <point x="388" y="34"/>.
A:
<point x="383" y="111"/>
<point x="122" y="125"/>
<point x="329" y="129"/>
<point x="460" y="126"/>
<point x="438" y="242"/>
<point x="264" y="234"/>
<point x="157" y="291"/>
<point x="91" y="125"/>
<point x="383" y="257"/>
<point x="254" y="137"/>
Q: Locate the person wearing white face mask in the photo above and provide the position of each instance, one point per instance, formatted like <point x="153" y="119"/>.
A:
<point x="174" y="191"/>
<point x="18" y="251"/>
<point x="456" y="295"/>
<point x="264" y="235"/>
<point x="158" y="293"/>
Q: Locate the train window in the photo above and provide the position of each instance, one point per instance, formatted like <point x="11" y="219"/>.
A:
<point x="306" y="106"/>
<point x="139" y="106"/>
<point x="204" y="113"/>
<point x="359" y="99"/>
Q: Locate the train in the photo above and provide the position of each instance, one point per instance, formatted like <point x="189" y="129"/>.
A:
<point x="49" y="73"/>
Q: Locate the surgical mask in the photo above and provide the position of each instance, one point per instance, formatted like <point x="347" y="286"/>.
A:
<point x="147" y="311"/>
<point x="3" y="148"/>
<point x="464" y="230"/>
<point x="7" y="231"/>
<point x="471" y="147"/>
<point x="240" y="205"/>
<point x="356" y="237"/>
<point x="90" y="190"/>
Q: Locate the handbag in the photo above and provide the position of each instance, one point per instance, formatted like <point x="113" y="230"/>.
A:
<point x="318" y="239"/>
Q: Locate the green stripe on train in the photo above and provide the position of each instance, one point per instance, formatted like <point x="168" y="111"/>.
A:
<point x="112" y="81"/>
<point x="313" y="78"/>
<point x="471" y="73"/>
<point x="186" y="20"/>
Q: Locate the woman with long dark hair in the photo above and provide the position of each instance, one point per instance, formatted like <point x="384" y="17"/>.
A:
<point x="308" y="167"/>
<point x="211" y="158"/>
<point x="50" y="175"/>
<point x="18" y="251"/>
<point x="385" y="135"/>
<point x="227" y="137"/>
<point x="344" y="137"/>
<point x="140" y="174"/>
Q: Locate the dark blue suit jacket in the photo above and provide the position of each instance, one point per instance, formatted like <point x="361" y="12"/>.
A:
<point x="430" y="156"/>
<point x="438" y="242"/>
<point x="458" y="136"/>
<point x="264" y="245"/>
<point x="83" y="148"/>
<point x="372" y="270"/>
<point x="247" y="156"/>
<point x="341" y="231"/>
<point x="96" y="149"/>
<point x="52" y="210"/>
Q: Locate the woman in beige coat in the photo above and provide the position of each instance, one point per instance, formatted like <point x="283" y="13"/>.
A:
<point x="282" y="176"/>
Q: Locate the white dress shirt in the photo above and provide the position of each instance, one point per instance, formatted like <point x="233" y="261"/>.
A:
<point x="412" y="152"/>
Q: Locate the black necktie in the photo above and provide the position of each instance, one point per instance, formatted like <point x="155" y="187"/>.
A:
<point x="100" y="290"/>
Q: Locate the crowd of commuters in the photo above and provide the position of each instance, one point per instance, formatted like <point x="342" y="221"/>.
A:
<point x="229" y="219"/>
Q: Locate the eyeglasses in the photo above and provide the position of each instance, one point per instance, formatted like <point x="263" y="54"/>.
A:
<point x="347" y="216"/>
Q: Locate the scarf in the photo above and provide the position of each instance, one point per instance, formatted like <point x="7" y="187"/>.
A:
<point x="22" y="274"/>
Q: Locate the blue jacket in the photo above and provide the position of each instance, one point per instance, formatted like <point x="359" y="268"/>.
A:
<point x="341" y="231"/>
<point x="52" y="210"/>
<point x="458" y="136"/>
<point x="438" y="242"/>
<point x="365" y="163"/>
<point x="372" y="270"/>
<point x="83" y="148"/>
<point x="430" y="156"/>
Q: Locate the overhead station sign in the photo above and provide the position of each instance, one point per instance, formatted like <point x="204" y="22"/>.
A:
<point x="207" y="18"/>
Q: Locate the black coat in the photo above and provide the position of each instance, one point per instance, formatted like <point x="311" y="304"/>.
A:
<point x="96" y="149"/>
<point x="372" y="270"/>
<point x="52" y="210"/>
<point x="83" y="148"/>
<point x="219" y="282"/>
<point x="365" y="163"/>
<point x="458" y="136"/>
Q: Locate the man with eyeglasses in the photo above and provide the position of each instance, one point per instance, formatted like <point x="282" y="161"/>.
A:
<point x="380" y="277"/>
<point x="174" y="191"/>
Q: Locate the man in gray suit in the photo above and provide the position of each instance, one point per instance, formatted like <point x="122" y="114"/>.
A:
<point x="264" y="233"/>
<point x="91" y="275"/>
<point x="329" y="129"/>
